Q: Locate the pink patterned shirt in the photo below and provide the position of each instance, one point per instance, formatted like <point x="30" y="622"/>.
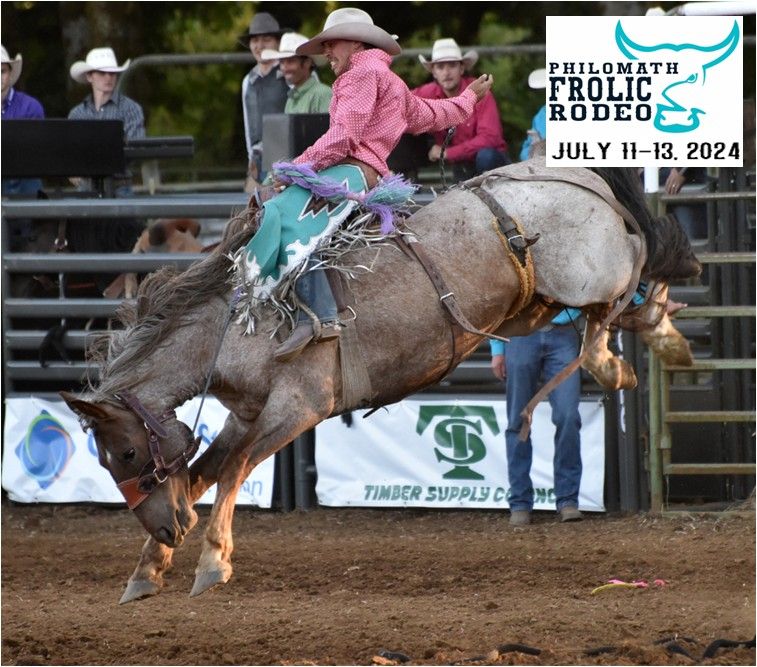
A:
<point x="372" y="107"/>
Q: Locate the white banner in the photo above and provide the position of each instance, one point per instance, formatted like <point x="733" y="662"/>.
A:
<point x="446" y="453"/>
<point x="47" y="458"/>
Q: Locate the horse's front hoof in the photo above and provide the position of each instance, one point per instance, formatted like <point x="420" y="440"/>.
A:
<point x="208" y="579"/>
<point x="136" y="590"/>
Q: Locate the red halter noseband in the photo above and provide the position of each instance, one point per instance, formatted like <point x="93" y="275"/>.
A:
<point x="156" y="470"/>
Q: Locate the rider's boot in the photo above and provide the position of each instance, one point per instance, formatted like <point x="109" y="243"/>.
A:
<point x="313" y="288"/>
<point x="302" y="336"/>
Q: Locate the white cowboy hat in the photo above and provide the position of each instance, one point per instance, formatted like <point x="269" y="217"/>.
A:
<point x="538" y="78"/>
<point x="447" y="51"/>
<point x="352" y="24"/>
<point x="97" y="60"/>
<point x="15" y="64"/>
<point x="288" y="49"/>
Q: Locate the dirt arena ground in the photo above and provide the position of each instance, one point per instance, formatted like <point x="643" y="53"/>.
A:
<point x="338" y="586"/>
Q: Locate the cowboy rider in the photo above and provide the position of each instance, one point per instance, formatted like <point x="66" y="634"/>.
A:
<point x="370" y="110"/>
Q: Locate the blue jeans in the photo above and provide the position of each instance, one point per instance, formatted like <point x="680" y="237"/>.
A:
<point x="313" y="288"/>
<point x="485" y="160"/>
<point x="529" y="358"/>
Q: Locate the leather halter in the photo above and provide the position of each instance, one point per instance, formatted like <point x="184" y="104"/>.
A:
<point x="156" y="471"/>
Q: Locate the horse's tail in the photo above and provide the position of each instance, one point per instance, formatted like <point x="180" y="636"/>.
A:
<point x="669" y="253"/>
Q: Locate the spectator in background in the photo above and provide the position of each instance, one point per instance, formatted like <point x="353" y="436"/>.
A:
<point x="17" y="106"/>
<point x="538" y="132"/>
<point x="691" y="216"/>
<point x="100" y="70"/>
<point x="542" y="355"/>
<point x="264" y="90"/>
<point x="478" y="144"/>
<point x="306" y="94"/>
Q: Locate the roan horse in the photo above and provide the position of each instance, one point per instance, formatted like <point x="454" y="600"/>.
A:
<point x="163" y="355"/>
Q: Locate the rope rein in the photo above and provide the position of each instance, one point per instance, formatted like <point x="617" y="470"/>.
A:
<point x="235" y="297"/>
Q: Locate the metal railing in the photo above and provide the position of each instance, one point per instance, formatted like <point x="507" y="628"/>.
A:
<point x="661" y="414"/>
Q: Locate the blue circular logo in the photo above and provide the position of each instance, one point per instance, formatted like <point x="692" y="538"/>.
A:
<point x="46" y="449"/>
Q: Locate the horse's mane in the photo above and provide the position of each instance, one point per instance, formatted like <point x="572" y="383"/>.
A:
<point x="163" y="302"/>
<point x="669" y="252"/>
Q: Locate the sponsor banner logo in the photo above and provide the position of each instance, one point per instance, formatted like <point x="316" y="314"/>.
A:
<point x="45" y="450"/>
<point x="436" y="453"/>
<point x="56" y="462"/>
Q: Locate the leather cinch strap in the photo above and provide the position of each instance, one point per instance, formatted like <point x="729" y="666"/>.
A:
<point x="518" y="243"/>
<point x="458" y="320"/>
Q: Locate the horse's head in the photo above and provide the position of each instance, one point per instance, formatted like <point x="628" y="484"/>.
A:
<point x="147" y="457"/>
<point x="678" y="113"/>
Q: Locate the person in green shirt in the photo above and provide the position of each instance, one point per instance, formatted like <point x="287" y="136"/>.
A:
<point x="306" y="94"/>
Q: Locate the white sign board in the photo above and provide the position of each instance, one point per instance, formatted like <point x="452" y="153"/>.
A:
<point x="644" y="91"/>
<point x="446" y="453"/>
<point x="47" y="458"/>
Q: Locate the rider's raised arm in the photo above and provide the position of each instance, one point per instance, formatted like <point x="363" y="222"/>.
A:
<point x="424" y="115"/>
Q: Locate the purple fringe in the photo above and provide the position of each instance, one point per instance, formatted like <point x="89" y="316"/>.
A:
<point x="383" y="200"/>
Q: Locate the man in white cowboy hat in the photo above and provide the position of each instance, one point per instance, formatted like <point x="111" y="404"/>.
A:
<point x="15" y="103"/>
<point x="478" y="144"/>
<point x="100" y="70"/>
<point x="17" y="106"/>
<point x="264" y="90"/>
<point x="370" y="110"/>
<point x="306" y="94"/>
<point x="538" y="132"/>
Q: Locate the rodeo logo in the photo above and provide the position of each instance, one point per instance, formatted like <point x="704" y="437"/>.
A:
<point x="45" y="450"/>
<point x="461" y="433"/>
<point x="645" y="91"/>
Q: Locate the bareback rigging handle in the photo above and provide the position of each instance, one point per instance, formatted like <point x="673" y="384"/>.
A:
<point x="445" y="143"/>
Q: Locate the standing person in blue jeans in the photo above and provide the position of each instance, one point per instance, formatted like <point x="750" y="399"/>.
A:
<point x="529" y="359"/>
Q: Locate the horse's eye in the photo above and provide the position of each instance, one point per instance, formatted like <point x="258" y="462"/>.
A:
<point x="129" y="454"/>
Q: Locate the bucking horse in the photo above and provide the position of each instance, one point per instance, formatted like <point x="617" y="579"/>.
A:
<point x="596" y="239"/>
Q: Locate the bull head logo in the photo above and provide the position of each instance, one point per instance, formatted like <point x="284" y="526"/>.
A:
<point x="696" y="66"/>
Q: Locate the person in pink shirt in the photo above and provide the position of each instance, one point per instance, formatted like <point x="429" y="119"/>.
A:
<point x="478" y="143"/>
<point x="370" y="109"/>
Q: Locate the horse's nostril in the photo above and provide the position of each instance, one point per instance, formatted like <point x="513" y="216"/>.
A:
<point x="166" y="536"/>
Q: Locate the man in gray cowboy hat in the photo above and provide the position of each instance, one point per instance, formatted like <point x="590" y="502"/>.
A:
<point x="264" y="89"/>
<point x="370" y="110"/>
<point x="478" y="144"/>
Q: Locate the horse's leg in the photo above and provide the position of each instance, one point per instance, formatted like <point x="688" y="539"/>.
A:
<point x="283" y="419"/>
<point x="668" y="343"/>
<point x="610" y="371"/>
<point x="155" y="561"/>
<point x="660" y="334"/>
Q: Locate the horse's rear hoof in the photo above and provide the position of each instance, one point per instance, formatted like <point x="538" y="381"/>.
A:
<point x="136" y="590"/>
<point x="206" y="580"/>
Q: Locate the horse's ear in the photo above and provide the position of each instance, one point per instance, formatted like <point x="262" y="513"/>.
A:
<point x="84" y="408"/>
